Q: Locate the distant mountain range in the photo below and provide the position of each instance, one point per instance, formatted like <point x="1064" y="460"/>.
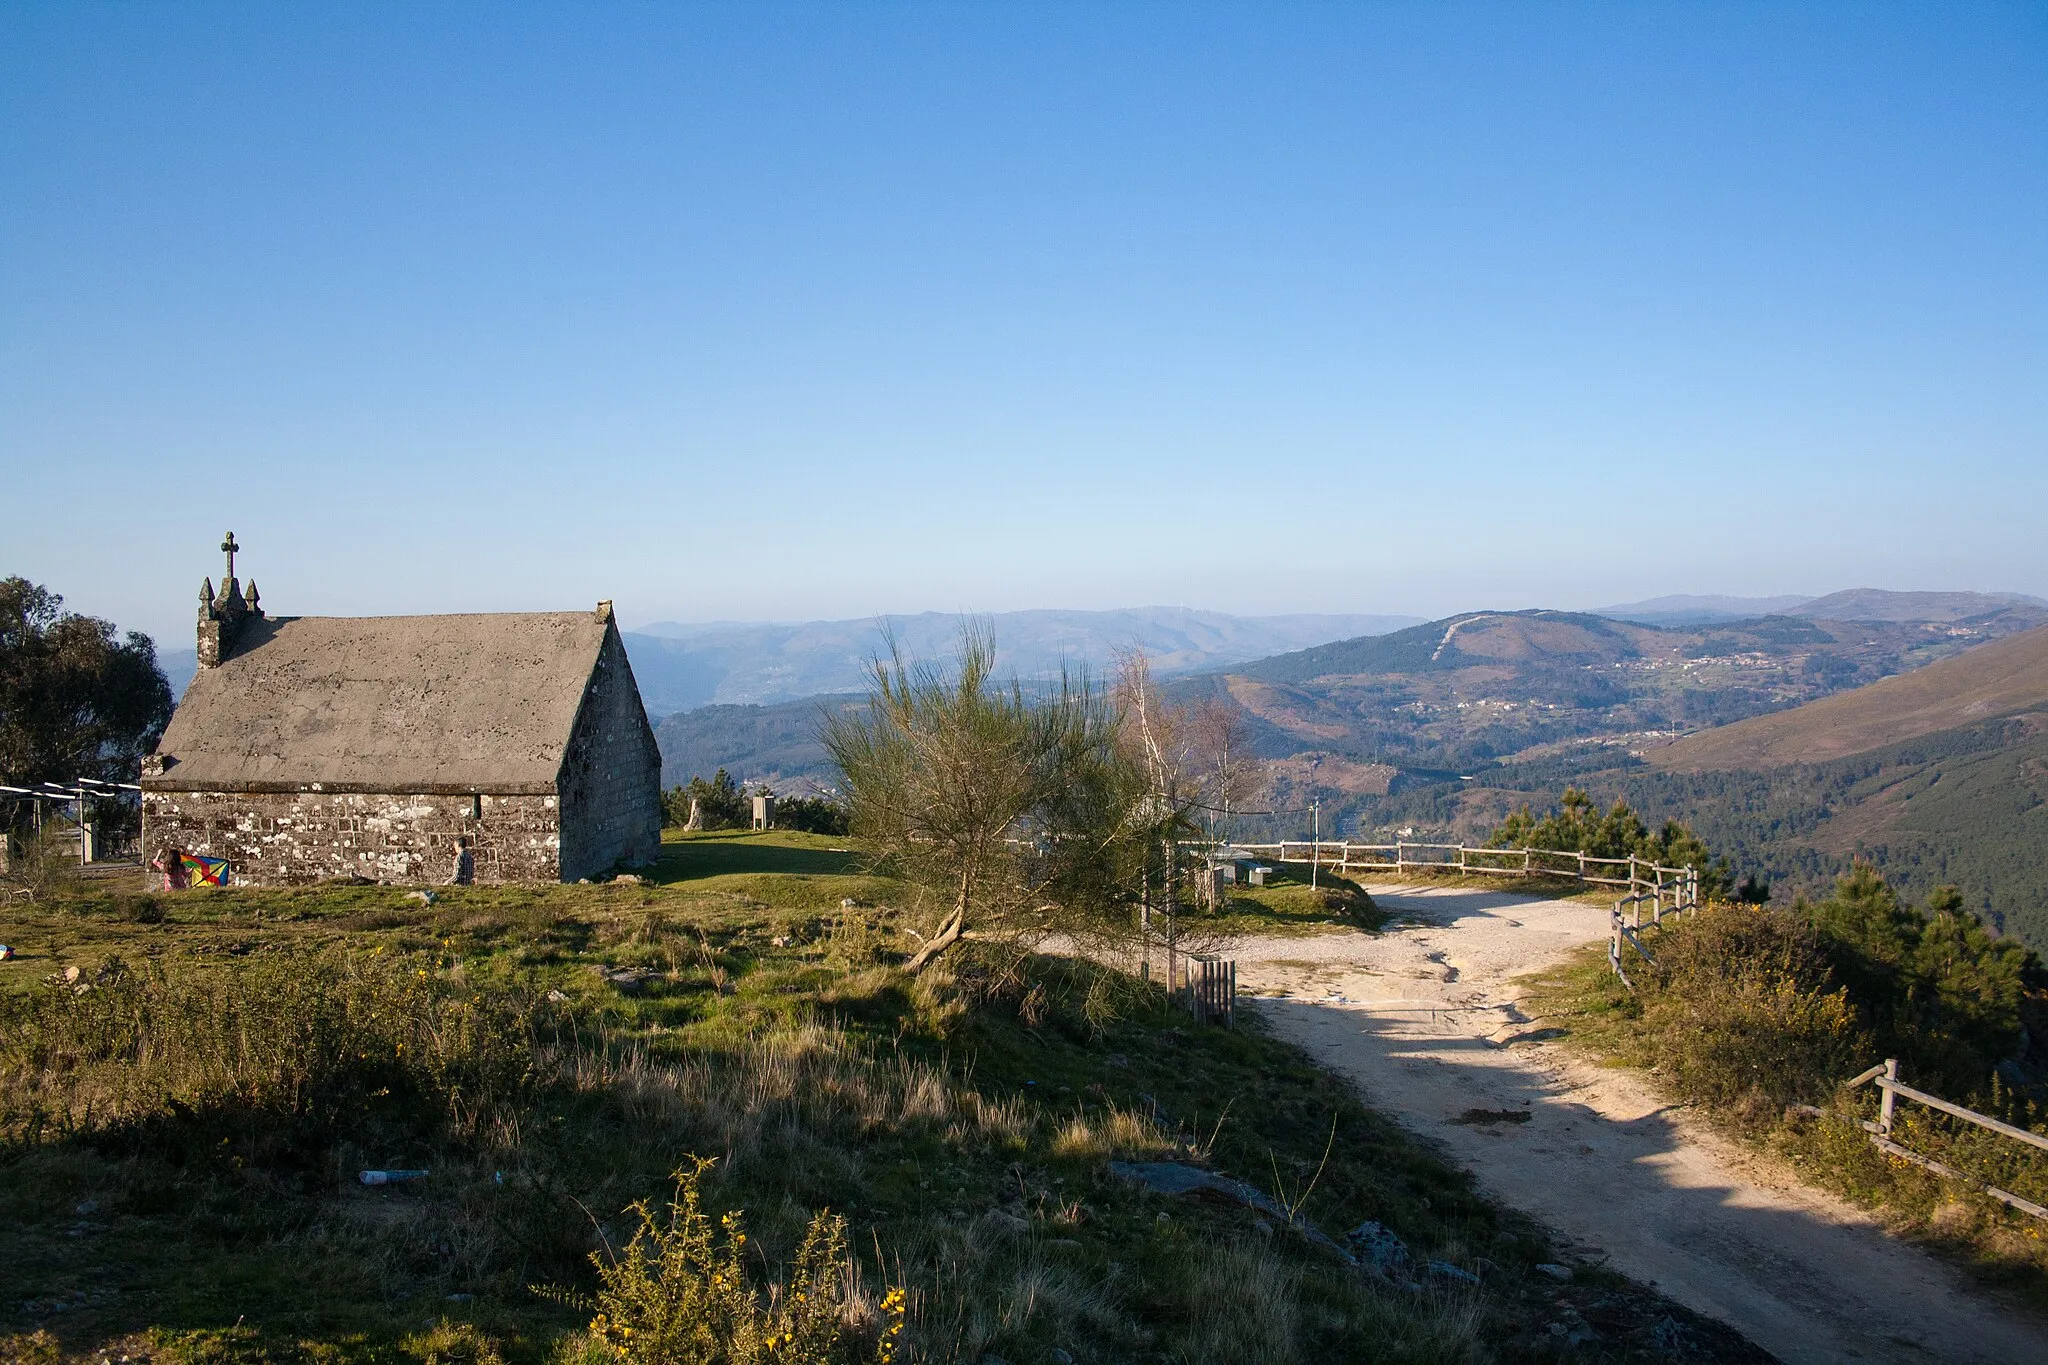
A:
<point x="1856" y="604"/>
<point x="680" y="667"/>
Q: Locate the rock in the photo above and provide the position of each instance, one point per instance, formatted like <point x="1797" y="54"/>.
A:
<point x="628" y="879"/>
<point x="87" y="1208"/>
<point x="1671" y="1336"/>
<point x="625" y="980"/>
<point x="1059" y="1357"/>
<point x="556" y="997"/>
<point x="1561" y="1273"/>
<point x="423" y="897"/>
<point x="1173" y="1177"/>
<point x="1444" y="1270"/>
<point x="779" y="941"/>
<point x="1378" y="1249"/>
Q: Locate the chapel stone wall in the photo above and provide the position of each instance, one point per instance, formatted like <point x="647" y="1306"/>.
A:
<point x="296" y="838"/>
<point x="611" y="774"/>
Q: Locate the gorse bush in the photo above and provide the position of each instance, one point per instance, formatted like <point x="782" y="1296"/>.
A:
<point x="1790" y="1003"/>
<point x="679" y="1294"/>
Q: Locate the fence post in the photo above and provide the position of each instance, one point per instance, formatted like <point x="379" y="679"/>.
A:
<point x="1400" y="855"/>
<point x="1884" y="1108"/>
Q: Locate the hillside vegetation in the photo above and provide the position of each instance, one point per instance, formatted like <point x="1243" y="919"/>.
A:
<point x="1996" y="679"/>
<point x="220" y="1065"/>
<point x="1761" y="1015"/>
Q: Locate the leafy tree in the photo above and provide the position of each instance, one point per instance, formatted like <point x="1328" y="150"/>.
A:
<point x="991" y="803"/>
<point x="74" y="700"/>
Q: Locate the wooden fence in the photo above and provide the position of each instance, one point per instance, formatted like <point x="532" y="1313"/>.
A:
<point x="1886" y="1077"/>
<point x="1208" y="988"/>
<point x="1345" y="858"/>
<point x="1659" y="890"/>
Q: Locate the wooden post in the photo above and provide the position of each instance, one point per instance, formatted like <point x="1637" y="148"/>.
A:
<point x="1145" y="924"/>
<point x="1172" y="927"/>
<point x="1884" y="1107"/>
<point x="1400" y="854"/>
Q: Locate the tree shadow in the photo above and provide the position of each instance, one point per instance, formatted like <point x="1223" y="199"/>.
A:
<point x="1625" y="1187"/>
<point x="722" y="855"/>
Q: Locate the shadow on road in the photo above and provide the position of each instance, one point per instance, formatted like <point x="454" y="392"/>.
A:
<point x="1599" y="1159"/>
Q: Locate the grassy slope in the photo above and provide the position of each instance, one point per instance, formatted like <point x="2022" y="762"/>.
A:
<point x="1991" y="680"/>
<point x="963" y="1124"/>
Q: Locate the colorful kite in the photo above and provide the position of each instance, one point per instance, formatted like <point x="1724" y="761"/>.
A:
<point x="182" y="870"/>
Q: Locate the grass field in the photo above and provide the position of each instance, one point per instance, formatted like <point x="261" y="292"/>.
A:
<point x="184" y="1115"/>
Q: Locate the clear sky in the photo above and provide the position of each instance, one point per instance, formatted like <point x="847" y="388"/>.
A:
<point x="768" y="311"/>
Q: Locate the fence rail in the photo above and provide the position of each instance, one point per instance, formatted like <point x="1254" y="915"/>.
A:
<point x="1886" y="1077"/>
<point x="1652" y="887"/>
<point x="1345" y="857"/>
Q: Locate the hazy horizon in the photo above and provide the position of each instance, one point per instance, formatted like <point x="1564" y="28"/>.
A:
<point x="788" y="313"/>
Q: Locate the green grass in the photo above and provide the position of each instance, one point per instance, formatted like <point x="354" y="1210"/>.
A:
<point x="1287" y="904"/>
<point x="196" y="1201"/>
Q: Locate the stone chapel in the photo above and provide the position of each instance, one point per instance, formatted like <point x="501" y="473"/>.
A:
<point x="310" y="748"/>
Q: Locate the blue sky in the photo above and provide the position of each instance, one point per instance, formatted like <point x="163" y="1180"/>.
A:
<point x="763" y="311"/>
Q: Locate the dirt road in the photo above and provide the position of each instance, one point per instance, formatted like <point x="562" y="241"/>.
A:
<point x="1424" y="1018"/>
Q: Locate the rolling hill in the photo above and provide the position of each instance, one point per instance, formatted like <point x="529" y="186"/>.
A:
<point x="1995" y="679"/>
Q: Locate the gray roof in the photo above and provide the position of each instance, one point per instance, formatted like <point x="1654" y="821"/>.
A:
<point x="408" y="704"/>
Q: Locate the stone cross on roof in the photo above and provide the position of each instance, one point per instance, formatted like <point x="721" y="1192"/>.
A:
<point x="230" y="546"/>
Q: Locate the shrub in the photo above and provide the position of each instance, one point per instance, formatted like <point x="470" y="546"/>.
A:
<point x="1742" y="1004"/>
<point x="40" y="866"/>
<point x="811" y="815"/>
<point x="678" y="1294"/>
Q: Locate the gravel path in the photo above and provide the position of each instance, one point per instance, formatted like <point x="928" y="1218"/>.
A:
<point x="1424" y="1018"/>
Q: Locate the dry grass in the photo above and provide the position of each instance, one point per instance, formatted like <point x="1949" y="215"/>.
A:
<point x="220" y="1093"/>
